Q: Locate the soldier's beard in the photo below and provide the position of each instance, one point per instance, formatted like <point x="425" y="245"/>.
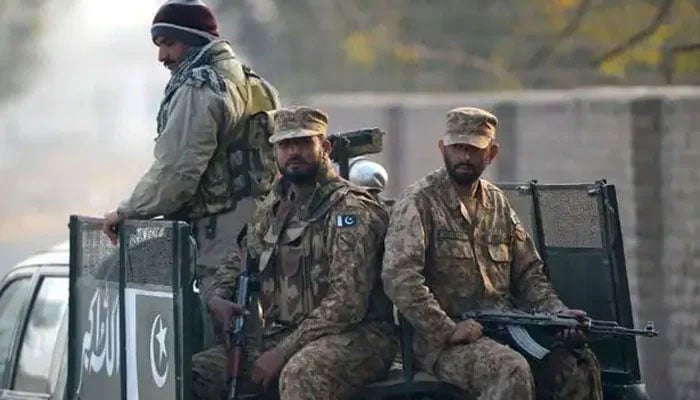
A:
<point x="301" y="176"/>
<point x="462" y="176"/>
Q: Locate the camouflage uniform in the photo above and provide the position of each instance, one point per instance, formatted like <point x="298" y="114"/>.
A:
<point x="440" y="261"/>
<point x="321" y="297"/>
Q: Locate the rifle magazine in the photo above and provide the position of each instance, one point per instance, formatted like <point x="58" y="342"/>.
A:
<point x="525" y="342"/>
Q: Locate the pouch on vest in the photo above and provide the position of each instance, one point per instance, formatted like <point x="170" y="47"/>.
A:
<point x="251" y="160"/>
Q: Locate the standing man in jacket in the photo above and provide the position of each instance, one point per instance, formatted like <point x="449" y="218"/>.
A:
<point x="210" y="166"/>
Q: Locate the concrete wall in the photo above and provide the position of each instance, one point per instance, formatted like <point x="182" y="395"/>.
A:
<point x="646" y="141"/>
<point x="680" y="238"/>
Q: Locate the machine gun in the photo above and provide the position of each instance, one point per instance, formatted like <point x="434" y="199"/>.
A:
<point x="347" y="145"/>
<point x="246" y="285"/>
<point x="515" y="324"/>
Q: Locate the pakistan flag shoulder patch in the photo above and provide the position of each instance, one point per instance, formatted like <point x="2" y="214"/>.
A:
<point x="346" y="220"/>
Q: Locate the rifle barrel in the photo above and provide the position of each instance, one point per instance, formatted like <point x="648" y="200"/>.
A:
<point x="562" y="321"/>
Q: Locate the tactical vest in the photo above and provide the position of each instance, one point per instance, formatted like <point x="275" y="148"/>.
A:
<point x="243" y="163"/>
<point x="251" y="161"/>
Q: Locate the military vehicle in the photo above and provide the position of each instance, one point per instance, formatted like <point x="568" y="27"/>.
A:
<point x="128" y="332"/>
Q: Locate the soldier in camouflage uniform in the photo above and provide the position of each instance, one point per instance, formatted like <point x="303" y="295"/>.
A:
<point x="455" y="244"/>
<point x="326" y="322"/>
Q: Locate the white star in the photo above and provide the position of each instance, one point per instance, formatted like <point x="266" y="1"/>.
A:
<point x="158" y="377"/>
<point x="160" y="336"/>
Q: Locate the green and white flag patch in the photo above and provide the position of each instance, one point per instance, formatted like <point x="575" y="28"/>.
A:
<point x="345" y="220"/>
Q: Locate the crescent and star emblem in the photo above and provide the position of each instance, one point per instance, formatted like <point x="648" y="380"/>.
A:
<point x="346" y="220"/>
<point x="158" y="333"/>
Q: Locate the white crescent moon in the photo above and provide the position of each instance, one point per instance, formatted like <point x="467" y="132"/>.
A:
<point x="157" y="378"/>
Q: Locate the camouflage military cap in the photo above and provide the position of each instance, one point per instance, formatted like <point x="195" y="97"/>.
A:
<point x="297" y="122"/>
<point x="470" y="125"/>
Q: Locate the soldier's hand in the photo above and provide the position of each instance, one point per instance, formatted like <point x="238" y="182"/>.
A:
<point x="580" y="315"/>
<point x="222" y="312"/>
<point x="466" y="332"/>
<point x="267" y="367"/>
<point x="109" y="226"/>
<point x="574" y="337"/>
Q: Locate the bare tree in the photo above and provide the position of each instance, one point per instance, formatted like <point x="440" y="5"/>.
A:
<point x="662" y="13"/>
<point x="545" y="52"/>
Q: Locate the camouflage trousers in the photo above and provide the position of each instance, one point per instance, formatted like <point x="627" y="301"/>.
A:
<point x="488" y="370"/>
<point x="331" y="367"/>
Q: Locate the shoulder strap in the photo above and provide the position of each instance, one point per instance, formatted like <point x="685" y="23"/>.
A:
<point x="269" y="90"/>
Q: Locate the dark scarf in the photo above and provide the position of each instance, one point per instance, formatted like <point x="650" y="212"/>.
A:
<point x="197" y="67"/>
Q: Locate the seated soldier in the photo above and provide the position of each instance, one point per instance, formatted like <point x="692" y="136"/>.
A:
<point x="326" y="325"/>
<point x="454" y="244"/>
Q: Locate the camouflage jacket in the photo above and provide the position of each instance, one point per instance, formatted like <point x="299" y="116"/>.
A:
<point x="438" y="263"/>
<point x="189" y="177"/>
<point x="319" y="266"/>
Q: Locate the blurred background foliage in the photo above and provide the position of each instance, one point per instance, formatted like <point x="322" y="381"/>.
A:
<point x="458" y="45"/>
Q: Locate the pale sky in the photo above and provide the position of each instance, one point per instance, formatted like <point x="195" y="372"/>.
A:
<point x="109" y="15"/>
<point x="85" y="124"/>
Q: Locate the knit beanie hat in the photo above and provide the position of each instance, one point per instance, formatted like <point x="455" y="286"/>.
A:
<point x="187" y="21"/>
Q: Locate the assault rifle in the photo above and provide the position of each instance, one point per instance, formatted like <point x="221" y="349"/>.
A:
<point x="246" y="285"/>
<point x="515" y="323"/>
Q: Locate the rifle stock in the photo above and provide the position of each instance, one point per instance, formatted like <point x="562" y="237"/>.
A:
<point x="516" y="324"/>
